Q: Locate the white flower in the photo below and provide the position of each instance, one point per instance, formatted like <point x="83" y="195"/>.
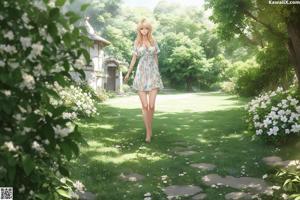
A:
<point x="283" y="118"/>
<point x="2" y="64"/>
<point x="287" y="131"/>
<point x="10" y="145"/>
<point x="298" y="109"/>
<point x="13" y="65"/>
<point x="63" y="132"/>
<point x="274" y="108"/>
<point x="259" y="132"/>
<point x="28" y="81"/>
<point x="40" y="5"/>
<point x="78" y="185"/>
<point x="46" y="141"/>
<point x="51" y="3"/>
<point x="37" y="49"/>
<point x="281" y="112"/>
<point x="7" y="92"/>
<point x="265" y="176"/>
<point x="25" y="18"/>
<point x="295" y="128"/>
<point x="279" y="89"/>
<point x="26" y="42"/>
<point x="36" y="146"/>
<point x="8" y="48"/>
<point x="9" y="35"/>
<point x="263" y="105"/>
<point x="38" y="71"/>
<point x="22" y="189"/>
<point x="285" y="196"/>
<point x="294" y="102"/>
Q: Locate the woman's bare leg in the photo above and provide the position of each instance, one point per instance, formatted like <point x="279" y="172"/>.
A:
<point x="145" y="111"/>
<point x="152" y="97"/>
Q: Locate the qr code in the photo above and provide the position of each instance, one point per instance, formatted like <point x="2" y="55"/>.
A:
<point x="6" y="193"/>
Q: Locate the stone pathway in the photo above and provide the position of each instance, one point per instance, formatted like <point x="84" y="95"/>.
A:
<point x="186" y="153"/>
<point x="238" y="195"/>
<point x="86" y="195"/>
<point x="175" y="191"/>
<point x="132" y="177"/>
<point x="250" y="183"/>
<point x="184" y="150"/>
<point x="204" y="166"/>
<point x="274" y="161"/>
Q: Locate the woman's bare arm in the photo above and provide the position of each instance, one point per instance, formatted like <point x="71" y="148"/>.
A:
<point x="133" y="60"/>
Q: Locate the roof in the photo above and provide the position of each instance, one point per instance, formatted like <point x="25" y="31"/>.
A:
<point x="93" y="35"/>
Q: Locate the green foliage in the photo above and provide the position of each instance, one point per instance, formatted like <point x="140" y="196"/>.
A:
<point x="264" y="27"/>
<point x="274" y="115"/>
<point x="39" y="46"/>
<point x="288" y="180"/>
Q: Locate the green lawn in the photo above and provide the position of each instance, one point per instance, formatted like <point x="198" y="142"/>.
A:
<point x="212" y="121"/>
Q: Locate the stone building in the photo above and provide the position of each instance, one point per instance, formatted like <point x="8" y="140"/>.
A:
<point x="103" y="72"/>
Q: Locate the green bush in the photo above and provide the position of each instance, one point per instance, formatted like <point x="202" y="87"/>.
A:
<point x="286" y="182"/>
<point x="39" y="45"/>
<point x="274" y="115"/>
<point x="245" y="77"/>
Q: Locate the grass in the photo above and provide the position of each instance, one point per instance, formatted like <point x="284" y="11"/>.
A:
<point x="212" y="121"/>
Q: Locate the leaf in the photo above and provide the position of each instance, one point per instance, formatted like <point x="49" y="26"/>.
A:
<point x="63" y="193"/>
<point x="74" y="147"/>
<point x="28" y="164"/>
<point x="84" y="6"/>
<point x="60" y="2"/>
<point x="64" y="171"/>
<point x="67" y="38"/>
<point x="54" y="13"/>
<point x="73" y="17"/>
<point x="11" y="174"/>
<point x="66" y="150"/>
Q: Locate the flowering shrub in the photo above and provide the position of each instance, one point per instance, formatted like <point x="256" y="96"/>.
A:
<point x="274" y="115"/>
<point x="37" y="46"/>
<point x="73" y="97"/>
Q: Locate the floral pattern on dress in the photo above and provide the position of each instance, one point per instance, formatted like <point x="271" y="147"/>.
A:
<point x="147" y="75"/>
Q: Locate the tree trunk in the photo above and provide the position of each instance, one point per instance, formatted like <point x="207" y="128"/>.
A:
<point x="189" y="84"/>
<point x="293" y="46"/>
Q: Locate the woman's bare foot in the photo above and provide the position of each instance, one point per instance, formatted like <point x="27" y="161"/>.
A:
<point x="148" y="138"/>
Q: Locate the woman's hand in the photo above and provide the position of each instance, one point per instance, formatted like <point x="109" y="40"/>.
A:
<point x="126" y="78"/>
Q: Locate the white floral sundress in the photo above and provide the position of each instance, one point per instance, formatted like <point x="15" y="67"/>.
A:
<point x="147" y="75"/>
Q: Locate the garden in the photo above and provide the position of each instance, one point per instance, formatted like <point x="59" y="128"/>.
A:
<point x="226" y="125"/>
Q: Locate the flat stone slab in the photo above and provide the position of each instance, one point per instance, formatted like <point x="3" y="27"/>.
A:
<point x="186" y="153"/>
<point x="204" y="166"/>
<point x="86" y="195"/>
<point x="238" y="195"/>
<point x="199" y="196"/>
<point x="277" y="161"/>
<point x="132" y="177"/>
<point x="174" y="191"/>
<point x="254" y="184"/>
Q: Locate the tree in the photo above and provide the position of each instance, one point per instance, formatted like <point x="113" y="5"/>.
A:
<point x="260" y="24"/>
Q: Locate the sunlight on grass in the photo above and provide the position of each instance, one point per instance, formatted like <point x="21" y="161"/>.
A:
<point x="102" y="150"/>
<point x="202" y="140"/>
<point x="95" y="125"/>
<point x="106" y="126"/>
<point x="186" y="102"/>
<point x="132" y="157"/>
<point x="232" y="136"/>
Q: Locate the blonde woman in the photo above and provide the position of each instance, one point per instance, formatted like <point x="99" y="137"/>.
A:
<point x="147" y="81"/>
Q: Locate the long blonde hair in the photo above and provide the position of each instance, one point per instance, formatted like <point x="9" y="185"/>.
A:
<point x="144" y="23"/>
